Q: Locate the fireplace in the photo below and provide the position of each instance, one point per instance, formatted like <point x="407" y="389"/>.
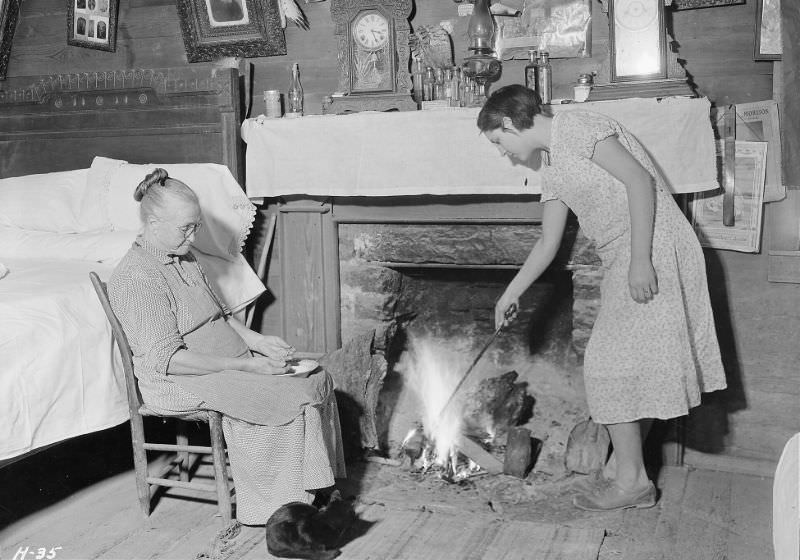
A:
<point x="440" y="282"/>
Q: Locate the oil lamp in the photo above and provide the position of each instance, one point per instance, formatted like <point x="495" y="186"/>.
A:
<point x="482" y="65"/>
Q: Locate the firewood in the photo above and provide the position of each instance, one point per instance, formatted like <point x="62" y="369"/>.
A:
<point x="474" y="451"/>
<point x="517" y="460"/>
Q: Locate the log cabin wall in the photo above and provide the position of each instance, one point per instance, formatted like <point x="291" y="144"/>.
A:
<point x="758" y="321"/>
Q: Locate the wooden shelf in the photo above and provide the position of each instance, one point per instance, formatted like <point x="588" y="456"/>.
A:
<point x="653" y="88"/>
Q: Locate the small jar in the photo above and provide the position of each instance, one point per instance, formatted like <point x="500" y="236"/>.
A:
<point x="583" y="88"/>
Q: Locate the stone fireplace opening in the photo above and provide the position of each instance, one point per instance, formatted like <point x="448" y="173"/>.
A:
<point x="442" y="281"/>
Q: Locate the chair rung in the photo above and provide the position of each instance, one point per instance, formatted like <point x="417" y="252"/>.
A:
<point x="181" y="484"/>
<point x="175" y="447"/>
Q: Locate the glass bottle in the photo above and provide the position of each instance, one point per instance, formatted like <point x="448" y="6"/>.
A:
<point x="438" y="92"/>
<point x="427" y="84"/>
<point x="467" y="96"/>
<point x="448" y="85"/>
<point x="530" y="70"/>
<point x="417" y="78"/>
<point x="544" y="80"/>
<point x="294" y="98"/>
<point x="456" y="86"/>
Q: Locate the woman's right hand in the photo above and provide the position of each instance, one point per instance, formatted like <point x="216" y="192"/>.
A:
<point x="262" y="364"/>
<point x="505" y="311"/>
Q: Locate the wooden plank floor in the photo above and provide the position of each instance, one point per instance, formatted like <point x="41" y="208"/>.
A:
<point x="92" y="513"/>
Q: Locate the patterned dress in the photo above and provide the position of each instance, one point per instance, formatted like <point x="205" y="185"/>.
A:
<point x="648" y="360"/>
<point x="282" y="433"/>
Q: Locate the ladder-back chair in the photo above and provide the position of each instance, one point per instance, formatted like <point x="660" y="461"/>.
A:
<point x="182" y="448"/>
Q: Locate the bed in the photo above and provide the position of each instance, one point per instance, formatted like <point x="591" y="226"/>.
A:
<point x="74" y="146"/>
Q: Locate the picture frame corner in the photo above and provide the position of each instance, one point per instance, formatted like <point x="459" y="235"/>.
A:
<point x="9" y="14"/>
<point x="203" y="43"/>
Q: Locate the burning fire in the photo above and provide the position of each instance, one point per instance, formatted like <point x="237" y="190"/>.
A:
<point x="433" y="370"/>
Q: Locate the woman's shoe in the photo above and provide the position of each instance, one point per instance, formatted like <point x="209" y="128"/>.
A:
<point x="612" y="498"/>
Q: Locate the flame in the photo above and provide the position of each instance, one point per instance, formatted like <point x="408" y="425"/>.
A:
<point x="432" y="370"/>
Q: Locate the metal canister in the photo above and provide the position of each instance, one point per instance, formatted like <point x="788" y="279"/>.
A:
<point x="272" y="103"/>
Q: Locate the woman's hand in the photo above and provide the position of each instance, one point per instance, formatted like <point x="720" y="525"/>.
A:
<point x="273" y="347"/>
<point x="642" y="280"/>
<point x="505" y="310"/>
<point x="262" y="364"/>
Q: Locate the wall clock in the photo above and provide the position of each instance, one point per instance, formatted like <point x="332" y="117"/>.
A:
<point x="373" y="55"/>
<point x="638" y="40"/>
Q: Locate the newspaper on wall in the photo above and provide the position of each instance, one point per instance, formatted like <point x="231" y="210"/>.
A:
<point x="749" y="174"/>
<point x="759" y="122"/>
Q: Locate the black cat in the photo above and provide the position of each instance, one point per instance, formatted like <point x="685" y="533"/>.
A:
<point x="298" y="530"/>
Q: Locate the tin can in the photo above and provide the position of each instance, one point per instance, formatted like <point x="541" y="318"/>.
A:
<point x="272" y="102"/>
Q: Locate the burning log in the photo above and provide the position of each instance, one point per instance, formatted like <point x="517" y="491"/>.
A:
<point x="496" y="404"/>
<point x="477" y="453"/>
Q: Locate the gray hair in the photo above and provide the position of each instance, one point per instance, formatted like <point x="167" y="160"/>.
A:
<point x="156" y="189"/>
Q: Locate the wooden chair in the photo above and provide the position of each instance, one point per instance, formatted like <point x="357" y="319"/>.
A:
<point x="182" y="448"/>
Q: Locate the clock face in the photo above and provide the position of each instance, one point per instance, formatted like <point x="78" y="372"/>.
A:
<point x="371" y="31"/>
<point x="635" y="15"/>
<point x="371" y="56"/>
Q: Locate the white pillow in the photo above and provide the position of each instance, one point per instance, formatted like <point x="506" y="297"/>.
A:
<point x="227" y="212"/>
<point x="97" y="246"/>
<point x="49" y="202"/>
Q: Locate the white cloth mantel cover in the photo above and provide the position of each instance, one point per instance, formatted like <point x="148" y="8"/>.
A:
<point x="442" y="152"/>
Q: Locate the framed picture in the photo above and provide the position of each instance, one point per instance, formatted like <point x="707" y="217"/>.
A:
<point x="9" y="10"/>
<point x="563" y="29"/>
<point x="218" y="28"/>
<point x="691" y="4"/>
<point x="768" y="45"/>
<point x="92" y="24"/>
<point x="637" y="40"/>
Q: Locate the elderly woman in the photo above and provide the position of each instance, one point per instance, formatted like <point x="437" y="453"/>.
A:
<point x="189" y="353"/>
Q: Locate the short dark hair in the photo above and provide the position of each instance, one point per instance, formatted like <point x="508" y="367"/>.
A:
<point x="516" y="102"/>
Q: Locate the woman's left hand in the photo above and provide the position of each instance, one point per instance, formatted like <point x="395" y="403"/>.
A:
<point x="642" y="281"/>
<point x="274" y="347"/>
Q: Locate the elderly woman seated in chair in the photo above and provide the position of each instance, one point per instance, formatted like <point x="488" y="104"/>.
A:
<point x="190" y="354"/>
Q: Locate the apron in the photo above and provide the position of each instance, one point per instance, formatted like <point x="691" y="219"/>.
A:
<point x="257" y="398"/>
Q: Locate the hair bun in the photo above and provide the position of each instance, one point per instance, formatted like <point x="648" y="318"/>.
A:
<point x="157" y="177"/>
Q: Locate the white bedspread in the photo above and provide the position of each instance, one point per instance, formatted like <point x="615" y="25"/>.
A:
<point x="442" y="153"/>
<point x="59" y="376"/>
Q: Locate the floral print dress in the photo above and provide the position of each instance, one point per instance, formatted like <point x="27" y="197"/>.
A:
<point x="643" y="360"/>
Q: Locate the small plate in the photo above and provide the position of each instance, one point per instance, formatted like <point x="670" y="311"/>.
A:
<point x="301" y="368"/>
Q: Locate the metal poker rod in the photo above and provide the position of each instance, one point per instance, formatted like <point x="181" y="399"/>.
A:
<point x="506" y="317"/>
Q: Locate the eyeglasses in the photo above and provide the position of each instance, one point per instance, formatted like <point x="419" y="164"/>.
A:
<point x="189" y="229"/>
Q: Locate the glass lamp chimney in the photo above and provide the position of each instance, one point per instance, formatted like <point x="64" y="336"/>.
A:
<point x="481" y="28"/>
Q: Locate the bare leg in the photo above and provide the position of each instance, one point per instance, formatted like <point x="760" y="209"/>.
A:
<point x="627" y="438"/>
<point x="610" y="468"/>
